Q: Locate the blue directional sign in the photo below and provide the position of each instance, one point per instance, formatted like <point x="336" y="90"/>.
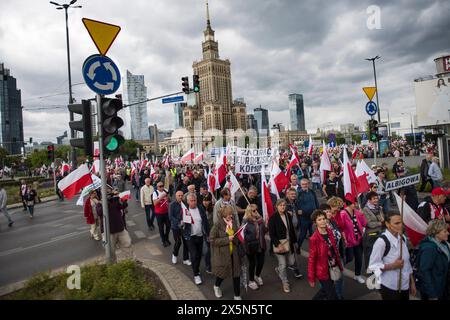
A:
<point x="364" y="136"/>
<point x="101" y="74"/>
<point x="371" y="108"/>
<point x="173" y="99"/>
<point x="332" y="144"/>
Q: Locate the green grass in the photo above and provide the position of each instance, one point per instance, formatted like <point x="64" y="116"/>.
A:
<point x="14" y="197"/>
<point x="124" y="280"/>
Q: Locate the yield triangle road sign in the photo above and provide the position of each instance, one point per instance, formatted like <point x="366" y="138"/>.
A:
<point x="103" y="34"/>
<point x="370" y="91"/>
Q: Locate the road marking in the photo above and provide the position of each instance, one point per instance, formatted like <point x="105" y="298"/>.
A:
<point x="68" y="235"/>
<point x="139" y="234"/>
<point x="57" y="225"/>
<point x="155" y="236"/>
<point x="84" y="228"/>
<point x="138" y="214"/>
<point x="8" y="252"/>
<point x="130" y="223"/>
<point x="154" y="250"/>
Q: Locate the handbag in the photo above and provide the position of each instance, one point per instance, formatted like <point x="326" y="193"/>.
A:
<point x="285" y="247"/>
<point x="335" y="273"/>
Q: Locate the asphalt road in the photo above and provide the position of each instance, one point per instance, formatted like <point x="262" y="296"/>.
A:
<point x="58" y="236"/>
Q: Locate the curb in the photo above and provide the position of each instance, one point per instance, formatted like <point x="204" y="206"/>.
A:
<point x="43" y="200"/>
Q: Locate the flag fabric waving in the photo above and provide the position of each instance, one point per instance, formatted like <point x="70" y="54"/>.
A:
<point x="241" y="233"/>
<point x="266" y="200"/>
<point x="221" y="168"/>
<point x="188" y="156"/>
<point x="75" y="181"/>
<point x="310" y="146"/>
<point x="349" y="180"/>
<point x="279" y="177"/>
<point x="233" y="185"/>
<point x="325" y="164"/>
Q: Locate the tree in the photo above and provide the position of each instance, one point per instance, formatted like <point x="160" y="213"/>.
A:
<point x="128" y="150"/>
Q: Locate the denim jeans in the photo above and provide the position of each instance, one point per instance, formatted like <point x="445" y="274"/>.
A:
<point x="317" y="186"/>
<point x="149" y="215"/>
<point x="327" y="291"/>
<point x="305" y="227"/>
<point x="283" y="261"/>
<point x="137" y="194"/>
<point x="339" y="284"/>
<point x="207" y="254"/>
<point x="31" y="210"/>
<point x="384" y="203"/>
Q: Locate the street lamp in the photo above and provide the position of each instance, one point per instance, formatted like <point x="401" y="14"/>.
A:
<point x="412" y="127"/>
<point x="376" y="86"/>
<point x="66" y="7"/>
<point x="389" y="123"/>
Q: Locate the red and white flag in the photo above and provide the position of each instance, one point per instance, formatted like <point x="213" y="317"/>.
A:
<point x="143" y="164"/>
<point x="187" y="217"/>
<point x="199" y="158"/>
<point x="310" y="146"/>
<point x="233" y="185"/>
<point x="349" y="180"/>
<point x="294" y="151"/>
<point x="325" y="164"/>
<point x="152" y="172"/>
<point x="96" y="166"/>
<point x="167" y="162"/>
<point x="279" y="177"/>
<point x="266" y="200"/>
<point x="292" y="163"/>
<point x="188" y="156"/>
<point x="362" y="168"/>
<point x="75" y="181"/>
<point x="241" y="233"/>
<point x="124" y="196"/>
<point x="415" y="227"/>
<point x="355" y="152"/>
<point x="221" y="168"/>
<point x="212" y="186"/>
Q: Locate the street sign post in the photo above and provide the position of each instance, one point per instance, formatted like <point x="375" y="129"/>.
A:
<point x="371" y="108"/>
<point x="402" y="182"/>
<point x="173" y="99"/>
<point x="101" y="74"/>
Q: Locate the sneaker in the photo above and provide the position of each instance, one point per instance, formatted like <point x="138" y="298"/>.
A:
<point x="237" y="298"/>
<point x="297" y="274"/>
<point x="10" y="224"/>
<point x="208" y="271"/>
<point x="293" y="268"/>
<point x="286" y="287"/>
<point x="31" y="217"/>
<point x="259" y="281"/>
<point x="252" y="285"/>
<point x="174" y="259"/>
<point x="198" y="280"/>
<point x="359" y="279"/>
<point x="217" y="292"/>
<point x="187" y="262"/>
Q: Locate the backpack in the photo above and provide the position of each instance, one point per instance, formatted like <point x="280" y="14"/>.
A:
<point x="387" y="247"/>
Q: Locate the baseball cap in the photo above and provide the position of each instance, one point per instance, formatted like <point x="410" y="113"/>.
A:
<point x="439" y="191"/>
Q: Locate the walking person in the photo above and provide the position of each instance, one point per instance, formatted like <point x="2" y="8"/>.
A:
<point x="353" y="222"/>
<point x="194" y="234"/>
<point x="385" y="261"/>
<point x="434" y="262"/>
<point x="22" y="192"/>
<point x="255" y="245"/>
<point x="3" y="204"/>
<point x="282" y="236"/>
<point x="424" y="166"/>
<point x="58" y="178"/>
<point x="161" y="205"/>
<point x="207" y="205"/>
<point x="146" y="195"/>
<point x="30" y="199"/>
<point x="176" y="224"/>
<point x="375" y="221"/>
<point x="308" y="203"/>
<point x="324" y="263"/>
<point x="226" y="261"/>
<point x="435" y="173"/>
<point x="90" y="213"/>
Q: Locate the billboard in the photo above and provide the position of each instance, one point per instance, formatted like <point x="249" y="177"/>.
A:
<point x="432" y="101"/>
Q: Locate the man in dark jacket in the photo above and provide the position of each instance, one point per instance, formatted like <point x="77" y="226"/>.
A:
<point x="433" y="207"/>
<point x="308" y="203"/>
<point x="176" y="217"/>
<point x="424" y="166"/>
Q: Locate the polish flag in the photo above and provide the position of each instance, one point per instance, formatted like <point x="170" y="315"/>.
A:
<point x="415" y="227"/>
<point x="266" y="200"/>
<point x="310" y="146"/>
<point x="212" y="187"/>
<point x="96" y="166"/>
<point x="233" y="185"/>
<point x="199" y="158"/>
<point x="362" y="168"/>
<point x="124" y="196"/>
<point x="75" y="181"/>
<point x="279" y="177"/>
<point x="152" y="172"/>
<point x="188" y="156"/>
<point x="349" y="179"/>
<point x="355" y="152"/>
<point x="325" y="164"/>
<point x="273" y="188"/>
<point x="65" y="168"/>
<point x="292" y="163"/>
<point x="166" y="162"/>
<point x="240" y="233"/>
<point x="143" y="164"/>
<point x="221" y="168"/>
<point x="294" y="151"/>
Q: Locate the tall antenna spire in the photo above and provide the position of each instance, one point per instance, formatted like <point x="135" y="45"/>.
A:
<point x="208" y="21"/>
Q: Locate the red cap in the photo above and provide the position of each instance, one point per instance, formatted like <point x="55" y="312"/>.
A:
<point x="439" y="191"/>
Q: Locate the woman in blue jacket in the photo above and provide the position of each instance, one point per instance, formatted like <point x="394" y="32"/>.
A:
<point x="433" y="262"/>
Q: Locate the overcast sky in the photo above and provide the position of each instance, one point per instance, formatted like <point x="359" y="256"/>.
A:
<point x="276" y="47"/>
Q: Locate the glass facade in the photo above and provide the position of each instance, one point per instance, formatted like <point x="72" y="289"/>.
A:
<point x="178" y="111"/>
<point x="262" y="120"/>
<point x="136" y="91"/>
<point x="296" y="112"/>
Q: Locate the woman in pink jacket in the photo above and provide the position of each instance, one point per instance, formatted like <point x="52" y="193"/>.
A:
<point x="353" y="222"/>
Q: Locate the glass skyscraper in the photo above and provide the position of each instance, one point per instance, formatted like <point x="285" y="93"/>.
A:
<point x="296" y="112"/>
<point x="11" y="121"/>
<point x="136" y="91"/>
<point x="262" y="120"/>
<point x="178" y="110"/>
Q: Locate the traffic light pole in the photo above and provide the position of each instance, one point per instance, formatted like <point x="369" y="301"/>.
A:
<point x="104" y="182"/>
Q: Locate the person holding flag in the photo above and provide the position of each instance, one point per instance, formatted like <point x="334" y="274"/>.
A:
<point x="176" y="218"/>
<point x="226" y="261"/>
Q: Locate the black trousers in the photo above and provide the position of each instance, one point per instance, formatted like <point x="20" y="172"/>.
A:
<point x="236" y="281"/>
<point x="424" y="184"/>
<point x="195" y="245"/>
<point x="255" y="264"/>
<point x="179" y="240"/>
<point x="163" y="226"/>
<point x="368" y="242"/>
<point x="357" y="253"/>
<point x="327" y="291"/>
<point x="388" y="294"/>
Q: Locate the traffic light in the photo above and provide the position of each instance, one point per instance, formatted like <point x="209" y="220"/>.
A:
<point x="111" y="123"/>
<point x="84" y="125"/>
<point x="185" y="84"/>
<point x="196" y="85"/>
<point x="373" y="130"/>
<point x="51" y="152"/>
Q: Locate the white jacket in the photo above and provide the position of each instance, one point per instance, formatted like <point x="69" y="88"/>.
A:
<point x="146" y="196"/>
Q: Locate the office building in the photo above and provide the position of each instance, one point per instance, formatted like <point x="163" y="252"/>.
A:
<point x="296" y="112"/>
<point x="136" y="91"/>
<point x="178" y="111"/>
<point x="262" y="120"/>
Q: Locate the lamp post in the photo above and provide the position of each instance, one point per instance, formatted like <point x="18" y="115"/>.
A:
<point x="66" y="7"/>
<point x="376" y="86"/>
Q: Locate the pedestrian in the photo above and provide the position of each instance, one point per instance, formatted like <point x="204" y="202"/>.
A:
<point x="255" y="245"/>
<point x="22" y="192"/>
<point x="331" y="186"/>
<point x="226" y="261"/>
<point x="209" y="210"/>
<point x="387" y="264"/>
<point x="433" y="262"/>
<point x="30" y="200"/>
<point x="90" y="213"/>
<point x="243" y="202"/>
<point x="225" y="200"/>
<point x="353" y="222"/>
<point x="424" y="167"/>
<point x="308" y="203"/>
<point x="3" y="204"/>
<point x="194" y="234"/>
<point x="433" y="207"/>
<point x="324" y="263"/>
<point x="161" y="206"/>
<point x="146" y="195"/>
<point x="435" y="173"/>
<point x="315" y="178"/>
<point x="282" y="236"/>
<point x="176" y="224"/>
<point x="375" y="222"/>
<point x="381" y="189"/>
<point x="58" y="178"/>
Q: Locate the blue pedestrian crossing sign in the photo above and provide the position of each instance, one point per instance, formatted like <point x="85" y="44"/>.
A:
<point x="371" y="108"/>
<point x="101" y="74"/>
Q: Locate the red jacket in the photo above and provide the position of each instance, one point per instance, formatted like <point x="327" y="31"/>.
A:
<point x="318" y="256"/>
<point x="88" y="211"/>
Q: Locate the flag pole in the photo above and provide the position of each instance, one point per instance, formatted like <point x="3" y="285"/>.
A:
<point x="402" y="194"/>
